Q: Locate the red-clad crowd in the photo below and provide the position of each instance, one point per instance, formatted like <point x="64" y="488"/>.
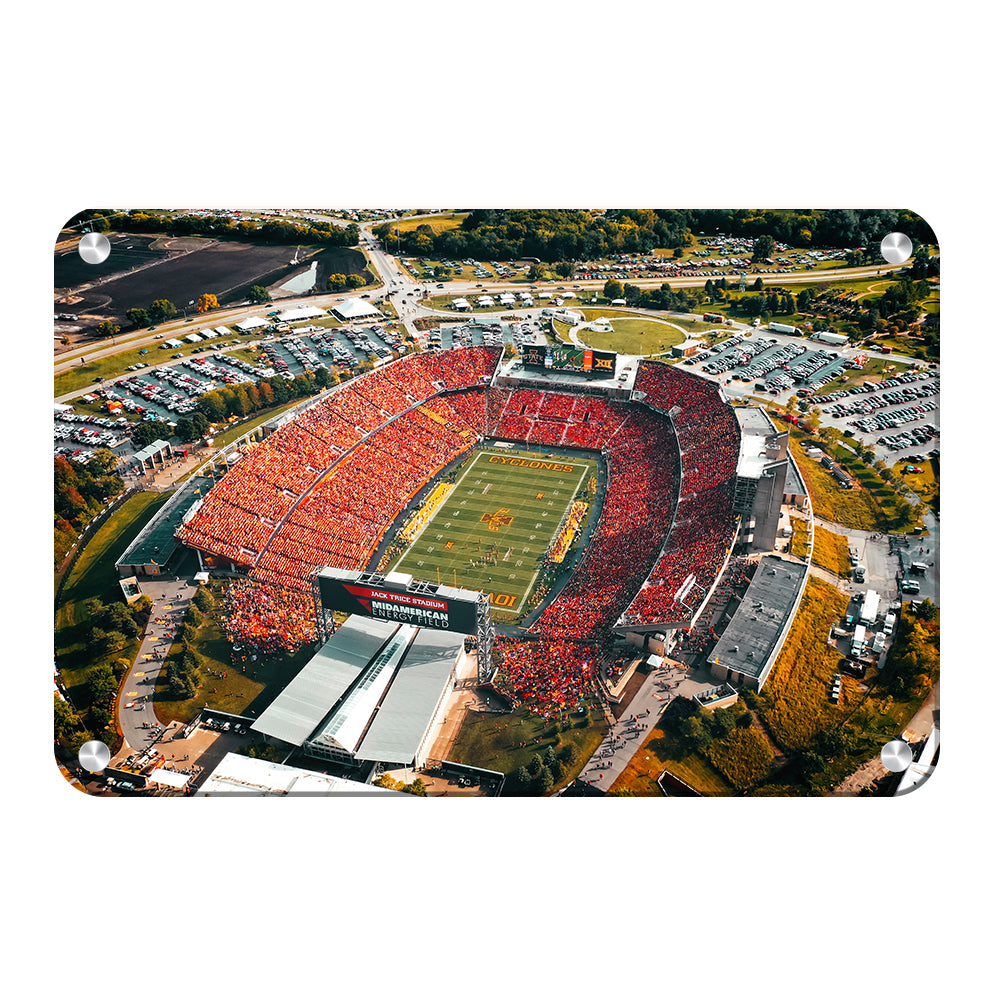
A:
<point x="638" y="502"/>
<point x="545" y="676"/>
<point x="262" y="621"/>
<point x="703" y="532"/>
<point x="324" y="489"/>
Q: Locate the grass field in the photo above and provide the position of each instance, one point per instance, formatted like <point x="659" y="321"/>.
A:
<point x="497" y="524"/>
<point x="438" y="223"/>
<point x="486" y="740"/>
<point x="662" y="751"/>
<point x="237" y="691"/>
<point x="831" y="551"/>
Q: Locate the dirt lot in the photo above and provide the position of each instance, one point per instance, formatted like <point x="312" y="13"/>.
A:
<point x="142" y="269"/>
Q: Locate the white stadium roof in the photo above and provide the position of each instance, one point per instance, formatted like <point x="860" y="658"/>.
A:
<point x="254" y="776"/>
<point x="296" y="713"/>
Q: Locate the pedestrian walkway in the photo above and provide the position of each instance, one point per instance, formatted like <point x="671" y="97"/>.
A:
<point x="629" y="733"/>
<point x="136" y="716"/>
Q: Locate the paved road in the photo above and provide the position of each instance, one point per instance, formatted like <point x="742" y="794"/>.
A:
<point x="170" y="600"/>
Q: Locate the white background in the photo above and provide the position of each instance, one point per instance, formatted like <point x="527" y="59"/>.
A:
<point x="461" y="105"/>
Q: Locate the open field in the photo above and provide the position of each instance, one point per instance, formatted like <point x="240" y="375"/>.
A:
<point x="831" y="552"/>
<point x="852" y="508"/>
<point x="460" y="272"/>
<point x="226" y="269"/>
<point x="493" y="741"/>
<point x="631" y="335"/>
<point x="662" y="751"/>
<point x="237" y="692"/>
<point x="496" y="525"/>
<point x="438" y="223"/>
<point x="925" y="483"/>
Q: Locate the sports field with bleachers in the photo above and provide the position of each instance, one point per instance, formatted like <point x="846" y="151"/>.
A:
<point x="494" y="527"/>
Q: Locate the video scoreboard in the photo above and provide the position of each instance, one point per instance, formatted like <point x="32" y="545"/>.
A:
<point x="569" y="359"/>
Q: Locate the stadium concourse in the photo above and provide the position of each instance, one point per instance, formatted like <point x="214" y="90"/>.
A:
<point x="324" y="488"/>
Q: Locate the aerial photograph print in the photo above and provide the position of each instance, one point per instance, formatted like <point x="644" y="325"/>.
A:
<point x="500" y="502"/>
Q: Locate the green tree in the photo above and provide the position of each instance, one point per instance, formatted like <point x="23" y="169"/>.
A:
<point x="162" y="309"/>
<point x="543" y="782"/>
<point x="66" y="720"/>
<point x="207" y="302"/>
<point x="415" y="787"/>
<point x="100" y="716"/>
<point x="522" y="778"/>
<point x="565" y="269"/>
<point x="148" y="431"/>
<point x="107" y="329"/>
<point x="356" y="281"/>
<point x="613" y="289"/>
<point x="535" y="765"/>
<point x="204" y="600"/>
<point x="763" y="247"/>
<point x="336" y="282"/>
<point x="258" y="294"/>
<point x="76" y="739"/>
<point x="536" y="272"/>
<point x="185" y="430"/>
<point x="101" y="683"/>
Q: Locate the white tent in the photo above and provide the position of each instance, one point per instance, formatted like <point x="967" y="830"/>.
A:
<point x="251" y="323"/>
<point x="164" y="776"/>
<point x="305" y="312"/>
<point x="351" y="309"/>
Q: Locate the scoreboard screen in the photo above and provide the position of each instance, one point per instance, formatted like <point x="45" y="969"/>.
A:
<point x="569" y="359"/>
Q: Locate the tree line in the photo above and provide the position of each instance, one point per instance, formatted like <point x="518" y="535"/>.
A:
<point x="220" y="227"/>
<point x="111" y="628"/>
<point x="80" y="493"/>
<point x="559" y="235"/>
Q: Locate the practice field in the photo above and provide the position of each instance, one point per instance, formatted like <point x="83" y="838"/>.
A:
<point x="497" y="523"/>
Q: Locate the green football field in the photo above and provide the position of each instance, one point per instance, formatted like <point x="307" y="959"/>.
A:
<point x="497" y="523"/>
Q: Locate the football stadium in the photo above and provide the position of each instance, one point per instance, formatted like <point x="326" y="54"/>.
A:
<point x="586" y="499"/>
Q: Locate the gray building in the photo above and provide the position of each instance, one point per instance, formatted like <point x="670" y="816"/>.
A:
<point x="371" y="694"/>
<point x="748" y="647"/>
<point x="765" y="473"/>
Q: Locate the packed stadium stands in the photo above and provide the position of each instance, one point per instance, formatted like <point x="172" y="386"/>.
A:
<point x="324" y="488"/>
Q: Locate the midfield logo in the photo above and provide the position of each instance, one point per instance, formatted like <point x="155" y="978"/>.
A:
<point x="501" y="519"/>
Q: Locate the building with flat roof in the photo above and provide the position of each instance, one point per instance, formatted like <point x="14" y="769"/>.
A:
<point x="238" y="775"/>
<point x="371" y="694"/>
<point x="747" y="648"/>
<point x="766" y="478"/>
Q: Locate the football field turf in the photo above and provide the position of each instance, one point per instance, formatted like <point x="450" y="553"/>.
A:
<point x="497" y="523"/>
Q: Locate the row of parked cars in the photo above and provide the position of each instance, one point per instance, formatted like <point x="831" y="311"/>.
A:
<point x="866" y="387"/>
<point x="885" y="421"/>
<point x="910" y="438"/>
<point x="870" y="402"/>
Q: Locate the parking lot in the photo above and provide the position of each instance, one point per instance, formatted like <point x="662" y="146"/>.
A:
<point x="169" y="390"/>
<point x="773" y="366"/>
